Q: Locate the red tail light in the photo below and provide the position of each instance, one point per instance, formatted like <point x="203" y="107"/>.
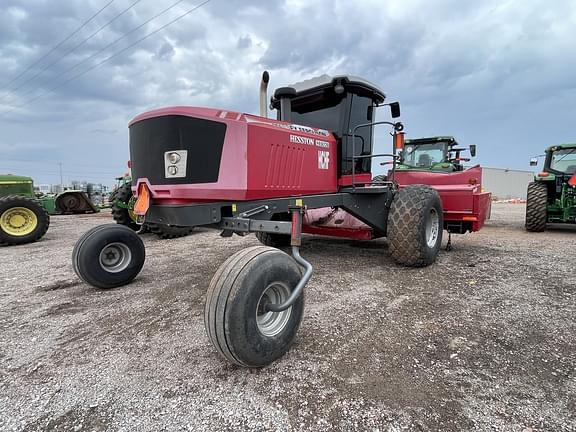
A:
<point x="572" y="181"/>
<point x="543" y="174"/>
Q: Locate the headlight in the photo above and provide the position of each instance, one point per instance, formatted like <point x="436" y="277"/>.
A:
<point x="175" y="163"/>
<point x="174" y="158"/>
<point x="173" y="170"/>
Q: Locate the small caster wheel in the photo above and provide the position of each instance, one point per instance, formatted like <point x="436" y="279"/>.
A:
<point x="236" y="320"/>
<point x="108" y="256"/>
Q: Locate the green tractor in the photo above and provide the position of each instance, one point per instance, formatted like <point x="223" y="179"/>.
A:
<point x="552" y="195"/>
<point x="23" y="217"/>
<point x="122" y="202"/>
<point x="439" y="154"/>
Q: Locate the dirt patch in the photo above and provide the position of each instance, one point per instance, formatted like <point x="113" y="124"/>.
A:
<point x="483" y="340"/>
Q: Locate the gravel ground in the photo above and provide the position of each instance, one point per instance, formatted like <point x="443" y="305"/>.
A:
<point x="485" y="339"/>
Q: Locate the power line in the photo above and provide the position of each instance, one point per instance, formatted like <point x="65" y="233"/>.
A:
<point x="74" y="172"/>
<point x="59" y="44"/>
<point x="78" y="165"/>
<point x="81" y="62"/>
<point x="77" y="170"/>
<point x="178" y="18"/>
<point x="70" y="51"/>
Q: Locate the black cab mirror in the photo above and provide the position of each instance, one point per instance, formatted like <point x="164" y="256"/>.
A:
<point x="533" y="161"/>
<point x="473" y="150"/>
<point x="395" y="109"/>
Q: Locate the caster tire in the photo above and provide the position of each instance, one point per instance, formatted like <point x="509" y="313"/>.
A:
<point x="108" y="256"/>
<point x="236" y="322"/>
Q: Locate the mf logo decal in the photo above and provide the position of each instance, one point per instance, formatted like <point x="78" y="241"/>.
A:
<point x="323" y="159"/>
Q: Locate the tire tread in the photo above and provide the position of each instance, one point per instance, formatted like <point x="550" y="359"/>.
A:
<point x="404" y="222"/>
<point x="536" y="203"/>
<point x="218" y="294"/>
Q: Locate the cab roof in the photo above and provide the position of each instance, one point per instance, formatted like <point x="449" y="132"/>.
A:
<point x="561" y="146"/>
<point x="15" y="178"/>
<point x="432" y="140"/>
<point x="317" y="87"/>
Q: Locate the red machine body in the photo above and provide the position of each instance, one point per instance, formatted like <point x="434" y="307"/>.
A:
<point x="461" y="192"/>
<point x="261" y="158"/>
<point x="464" y="205"/>
<point x="264" y="158"/>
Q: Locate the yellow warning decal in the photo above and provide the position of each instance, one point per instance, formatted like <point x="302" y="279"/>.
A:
<point x="233" y="208"/>
<point x="299" y="202"/>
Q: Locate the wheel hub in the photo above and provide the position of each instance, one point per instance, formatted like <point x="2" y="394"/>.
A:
<point x="272" y="323"/>
<point x="18" y="221"/>
<point x="432" y="228"/>
<point x="115" y="257"/>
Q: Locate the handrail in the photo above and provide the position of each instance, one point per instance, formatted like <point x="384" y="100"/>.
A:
<point x="397" y="127"/>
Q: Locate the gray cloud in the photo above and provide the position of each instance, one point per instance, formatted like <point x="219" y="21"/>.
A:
<point x="496" y="74"/>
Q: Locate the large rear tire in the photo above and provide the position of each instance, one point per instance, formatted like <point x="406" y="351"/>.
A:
<point x="237" y="324"/>
<point x="121" y="211"/>
<point x="536" y="206"/>
<point x="22" y="220"/>
<point x="415" y="226"/>
<point x="108" y="256"/>
<point x="168" y="231"/>
<point x="273" y="240"/>
<point x="381" y="178"/>
<point x="123" y="215"/>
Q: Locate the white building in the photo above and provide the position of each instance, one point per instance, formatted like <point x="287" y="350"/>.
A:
<point x="43" y="188"/>
<point x="506" y="183"/>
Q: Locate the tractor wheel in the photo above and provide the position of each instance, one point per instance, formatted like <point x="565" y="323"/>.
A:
<point x="380" y="178"/>
<point x="237" y="324"/>
<point x="108" y="256"/>
<point x="122" y="207"/>
<point x="22" y="220"/>
<point x="273" y="240"/>
<point x="536" y="206"/>
<point x="69" y="203"/>
<point x="415" y="225"/>
<point x="168" y="231"/>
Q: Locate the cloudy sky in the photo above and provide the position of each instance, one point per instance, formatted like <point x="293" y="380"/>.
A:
<point x="496" y="73"/>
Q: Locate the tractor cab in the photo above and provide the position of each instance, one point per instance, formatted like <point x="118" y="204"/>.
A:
<point x="560" y="159"/>
<point x="16" y="185"/>
<point x="338" y="104"/>
<point x="433" y="154"/>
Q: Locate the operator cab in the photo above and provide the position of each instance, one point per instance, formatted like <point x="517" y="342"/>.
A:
<point x="561" y="159"/>
<point x="337" y="104"/>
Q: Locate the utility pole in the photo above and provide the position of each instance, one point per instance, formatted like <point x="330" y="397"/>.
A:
<point x="61" y="181"/>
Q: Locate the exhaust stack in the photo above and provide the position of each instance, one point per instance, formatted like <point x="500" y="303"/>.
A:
<point x="264" y="94"/>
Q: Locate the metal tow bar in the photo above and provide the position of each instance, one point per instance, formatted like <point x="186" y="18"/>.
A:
<point x="295" y="242"/>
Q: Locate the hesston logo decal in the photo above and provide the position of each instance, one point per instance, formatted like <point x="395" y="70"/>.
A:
<point x="297" y="139"/>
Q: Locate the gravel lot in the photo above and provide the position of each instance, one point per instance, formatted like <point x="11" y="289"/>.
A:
<point x="485" y="339"/>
